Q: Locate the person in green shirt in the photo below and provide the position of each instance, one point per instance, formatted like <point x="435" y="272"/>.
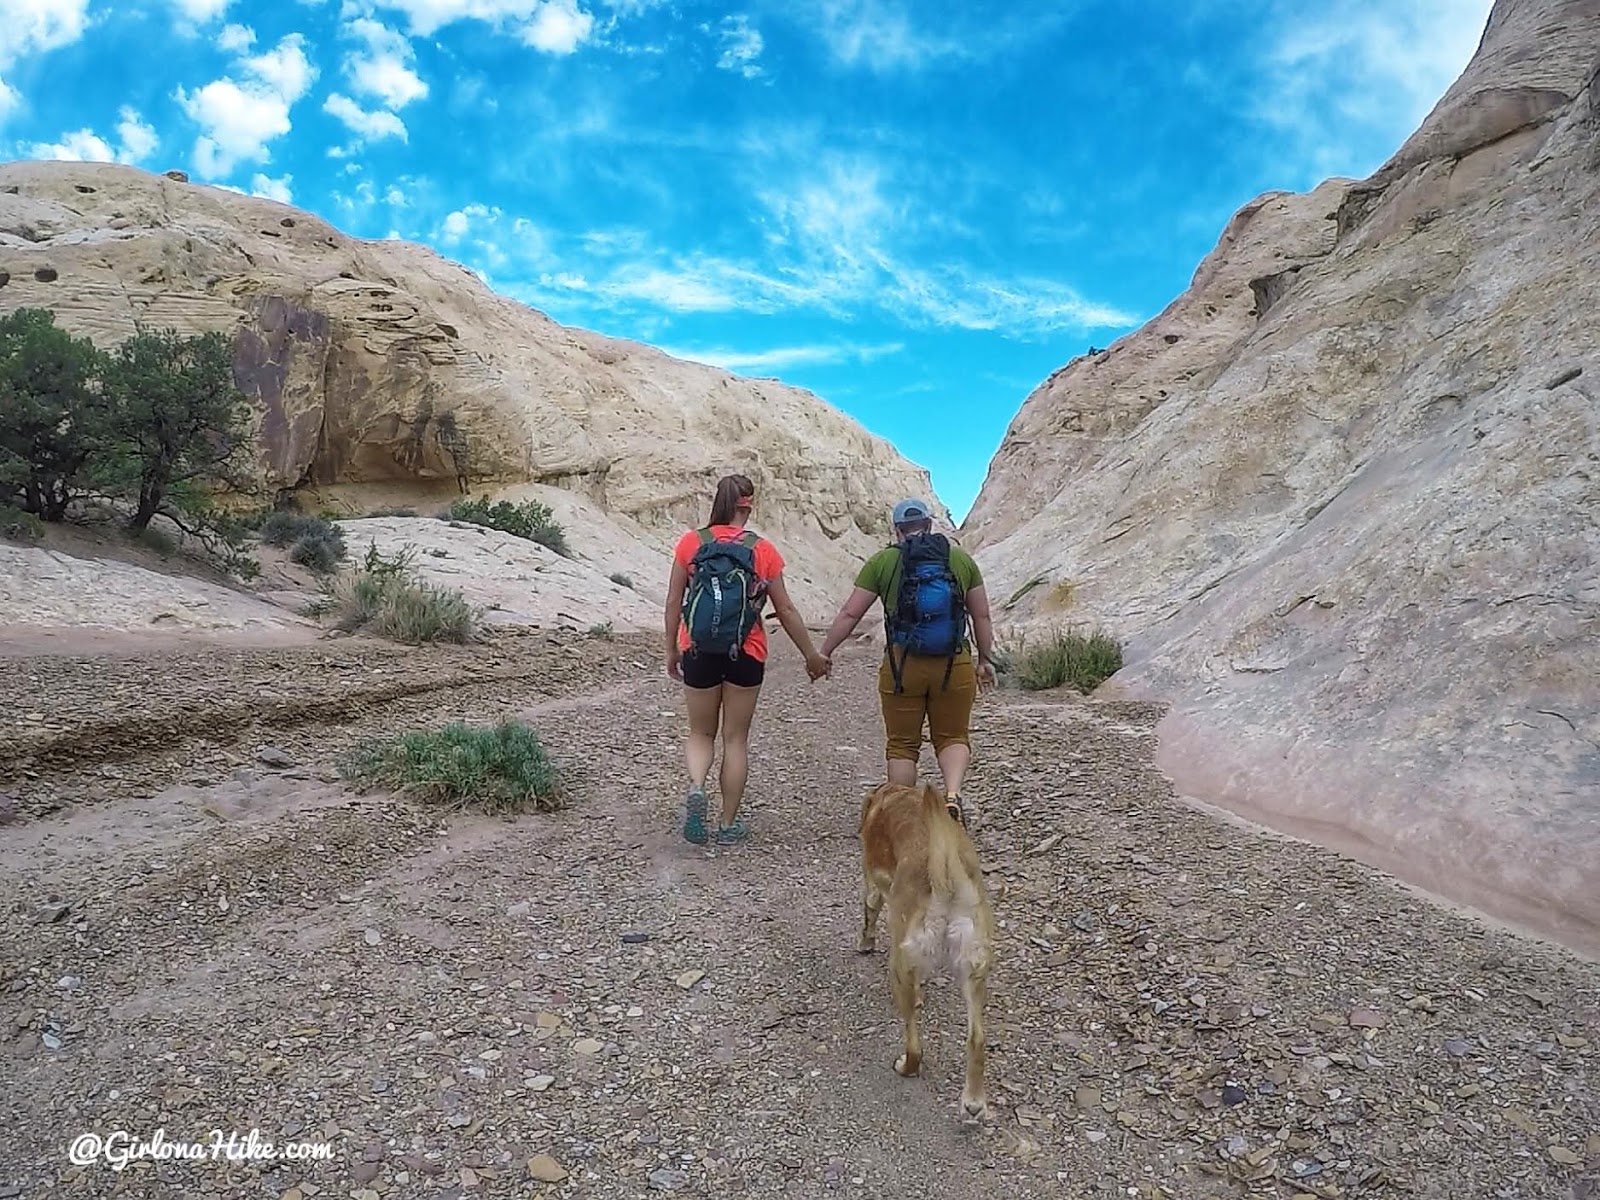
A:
<point x="928" y="672"/>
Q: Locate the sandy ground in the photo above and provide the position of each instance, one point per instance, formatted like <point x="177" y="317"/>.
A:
<point x="464" y="1006"/>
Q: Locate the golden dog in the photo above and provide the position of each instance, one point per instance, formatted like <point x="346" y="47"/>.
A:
<point x="920" y="860"/>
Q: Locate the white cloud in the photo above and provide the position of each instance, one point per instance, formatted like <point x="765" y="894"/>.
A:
<point x="455" y="226"/>
<point x="369" y="126"/>
<point x="202" y="12"/>
<point x="139" y="140"/>
<point x="272" y="189"/>
<point x="285" y="68"/>
<point x="840" y="241"/>
<point x="238" y="118"/>
<point x="787" y="357"/>
<point x="383" y="69"/>
<point x="36" y="26"/>
<point x="741" y="46"/>
<point x="558" y="27"/>
<point x="135" y="141"/>
<point x="83" y="145"/>
<point x="236" y="39"/>
<point x="554" y="26"/>
<point x="10" y="100"/>
<point x="1349" y="81"/>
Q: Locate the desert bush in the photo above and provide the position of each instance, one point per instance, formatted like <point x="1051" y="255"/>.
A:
<point x="622" y="580"/>
<point x="19" y="526"/>
<point x="605" y="631"/>
<point x="529" y="519"/>
<point x="285" y="527"/>
<point x="384" y="597"/>
<point x="501" y="769"/>
<point x="313" y="541"/>
<point x="320" y="552"/>
<point x="1063" y="657"/>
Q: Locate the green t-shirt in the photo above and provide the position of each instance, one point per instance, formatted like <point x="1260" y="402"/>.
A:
<point x="879" y="575"/>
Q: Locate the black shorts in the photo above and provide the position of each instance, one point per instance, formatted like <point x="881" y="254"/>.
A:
<point x="713" y="670"/>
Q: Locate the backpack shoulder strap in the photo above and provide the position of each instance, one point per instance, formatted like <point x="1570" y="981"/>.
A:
<point x="706" y="536"/>
<point x="749" y="539"/>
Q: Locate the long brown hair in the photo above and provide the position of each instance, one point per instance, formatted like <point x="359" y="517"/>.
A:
<point x="730" y="490"/>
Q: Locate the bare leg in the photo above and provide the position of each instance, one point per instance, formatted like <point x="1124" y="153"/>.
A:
<point x="902" y="771"/>
<point x="705" y="710"/>
<point x="738" y="711"/>
<point x="972" y="1095"/>
<point x="907" y="998"/>
<point x="953" y="762"/>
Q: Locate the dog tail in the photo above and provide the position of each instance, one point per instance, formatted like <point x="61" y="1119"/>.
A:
<point x="949" y="938"/>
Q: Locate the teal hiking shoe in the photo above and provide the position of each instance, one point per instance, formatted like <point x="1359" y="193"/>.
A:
<point x="694" y="821"/>
<point x="732" y="835"/>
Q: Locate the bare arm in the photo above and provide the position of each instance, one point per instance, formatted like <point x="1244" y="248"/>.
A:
<point x="676" y="586"/>
<point x="850" y="614"/>
<point x="789" y="617"/>
<point x="982" y="622"/>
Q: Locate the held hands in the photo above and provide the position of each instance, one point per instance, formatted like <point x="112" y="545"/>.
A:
<point x="818" y="666"/>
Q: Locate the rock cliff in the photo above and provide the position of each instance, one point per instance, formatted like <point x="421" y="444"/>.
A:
<point x="1342" y="498"/>
<point x="382" y="369"/>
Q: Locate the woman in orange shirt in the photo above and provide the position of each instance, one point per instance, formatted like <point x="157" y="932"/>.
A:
<point x="721" y="688"/>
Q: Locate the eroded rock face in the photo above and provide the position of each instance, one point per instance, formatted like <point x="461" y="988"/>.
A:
<point x="380" y="364"/>
<point x="1347" y="521"/>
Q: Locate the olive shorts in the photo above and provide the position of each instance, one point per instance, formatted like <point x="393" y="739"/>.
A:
<point x="947" y="710"/>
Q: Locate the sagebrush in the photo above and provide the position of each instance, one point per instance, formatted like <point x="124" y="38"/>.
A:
<point x="530" y="520"/>
<point x="385" y="597"/>
<point x="504" y="768"/>
<point x="313" y="541"/>
<point x="1061" y="658"/>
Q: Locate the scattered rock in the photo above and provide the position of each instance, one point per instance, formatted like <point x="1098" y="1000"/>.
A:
<point x="271" y="756"/>
<point x="546" y="1169"/>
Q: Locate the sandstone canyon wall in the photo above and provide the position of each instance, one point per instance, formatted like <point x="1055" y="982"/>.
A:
<point x="1342" y="497"/>
<point x="384" y="373"/>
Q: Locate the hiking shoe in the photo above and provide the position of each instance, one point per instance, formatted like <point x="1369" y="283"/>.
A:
<point x="952" y="805"/>
<point x="730" y="835"/>
<point x="694" y="821"/>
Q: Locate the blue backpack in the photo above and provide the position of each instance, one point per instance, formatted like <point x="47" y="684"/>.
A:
<point x="724" y="598"/>
<point x="930" y="616"/>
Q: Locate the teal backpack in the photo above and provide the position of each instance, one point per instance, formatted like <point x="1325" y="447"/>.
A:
<point x="724" y="598"/>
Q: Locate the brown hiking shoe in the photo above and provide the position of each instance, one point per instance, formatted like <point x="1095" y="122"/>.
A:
<point x="952" y="805"/>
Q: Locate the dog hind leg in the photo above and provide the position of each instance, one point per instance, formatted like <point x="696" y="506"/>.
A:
<point x="976" y="988"/>
<point x="908" y="999"/>
<point x="871" y="903"/>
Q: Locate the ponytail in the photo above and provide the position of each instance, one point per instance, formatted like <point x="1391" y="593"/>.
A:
<point x="730" y="490"/>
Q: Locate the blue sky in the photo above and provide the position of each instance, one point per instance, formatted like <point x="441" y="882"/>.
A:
<point x="916" y="210"/>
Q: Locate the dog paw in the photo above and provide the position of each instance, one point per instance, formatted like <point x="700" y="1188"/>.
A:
<point x="907" y="1065"/>
<point x="866" y="946"/>
<point x="974" y="1106"/>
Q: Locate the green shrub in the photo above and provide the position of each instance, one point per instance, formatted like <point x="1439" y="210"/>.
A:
<point x="605" y="631"/>
<point x="1063" y="658"/>
<point x="384" y="597"/>
<point x="19" y="526"/>
<point x="529" y="519"/>
<point x="286" y="527"/>
<point x="159" y="540"/>
<point x="500" y="769"/>
<point x="319" y="551"/>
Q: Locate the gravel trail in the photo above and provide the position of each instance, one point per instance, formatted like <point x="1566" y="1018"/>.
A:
<point x="207" y="931"/>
